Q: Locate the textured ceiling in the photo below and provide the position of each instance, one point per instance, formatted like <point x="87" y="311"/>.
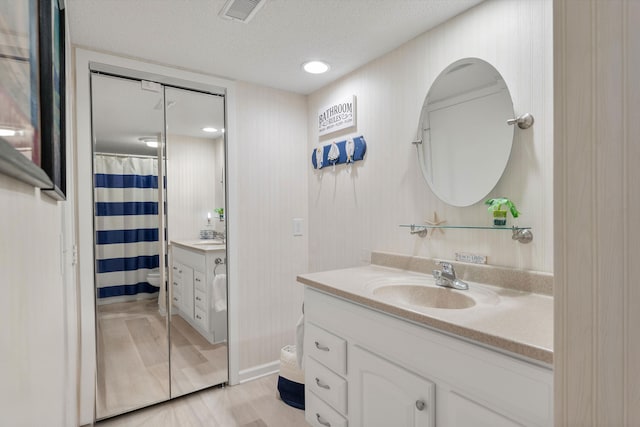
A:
<point x="270" y="49"/>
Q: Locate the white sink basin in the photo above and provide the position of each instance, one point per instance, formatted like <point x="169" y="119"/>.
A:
<point x="424" y="296"/>
<point x="422" y="293"/>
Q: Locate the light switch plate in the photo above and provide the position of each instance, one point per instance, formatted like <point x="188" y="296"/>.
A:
<point x="297" y="226"/>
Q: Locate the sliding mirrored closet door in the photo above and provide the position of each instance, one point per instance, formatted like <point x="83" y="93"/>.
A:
<point x="161" y="317"/>
<point x="197" y="237"/>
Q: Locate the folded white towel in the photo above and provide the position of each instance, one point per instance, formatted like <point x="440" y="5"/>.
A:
<point x="219" y="292"/>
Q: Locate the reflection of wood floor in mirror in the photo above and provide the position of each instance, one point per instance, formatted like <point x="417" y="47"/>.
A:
<point x="133" y="368"/>
<point x="251" y="404"/>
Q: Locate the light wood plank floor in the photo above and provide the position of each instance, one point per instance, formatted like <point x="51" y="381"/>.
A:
<point x="252" y="404"/>
<point x="133" y="363"/>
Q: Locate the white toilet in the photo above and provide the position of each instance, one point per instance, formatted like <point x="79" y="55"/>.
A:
<point x="153" y="278"/>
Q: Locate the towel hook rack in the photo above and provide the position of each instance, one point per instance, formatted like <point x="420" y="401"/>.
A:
<point x="218" y="261"/>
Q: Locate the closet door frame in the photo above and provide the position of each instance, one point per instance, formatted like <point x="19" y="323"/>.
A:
<point x="87" y="61"/>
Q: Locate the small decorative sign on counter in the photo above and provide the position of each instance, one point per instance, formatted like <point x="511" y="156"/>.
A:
<point x="471" y="258"/>
<point x="337" y="116"/>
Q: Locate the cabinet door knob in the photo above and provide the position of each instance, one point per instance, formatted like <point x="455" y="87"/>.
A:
<point x="322" y="385"/>
<point x="321" y="347"/>
<point x="322" y="420"/>
<point x="420" y="405"/>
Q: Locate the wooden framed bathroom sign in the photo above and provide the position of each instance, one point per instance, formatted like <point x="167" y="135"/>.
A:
<point x="337" y="116"/>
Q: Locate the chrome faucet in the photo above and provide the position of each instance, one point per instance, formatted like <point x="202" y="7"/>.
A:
<point x="447" y="277"/>
<point x="220" y="236"/>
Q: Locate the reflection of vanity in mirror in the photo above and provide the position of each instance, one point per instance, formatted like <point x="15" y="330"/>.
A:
<point x="199" y="287"/>
<point x="465" y="134"/>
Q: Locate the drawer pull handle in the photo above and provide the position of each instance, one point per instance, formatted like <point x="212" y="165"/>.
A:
<point x="322" y="385"/>
<point x="322" y="347"/>
<point x="322" y="420"/>
<point x="420" y="405"/>
<point x="175" y="268"/>
<point x="198" y="280"/>
<point x="198" y="299"/>
<point x="198" y="316"/>
<point x="175" y="298"/>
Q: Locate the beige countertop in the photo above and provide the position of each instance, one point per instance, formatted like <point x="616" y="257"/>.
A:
<point x="511" y="320"/>
<point x="201" y="245"/>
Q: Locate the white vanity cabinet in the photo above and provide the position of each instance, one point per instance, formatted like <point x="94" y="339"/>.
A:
<point x="182" y="288"/>
<point x="325" y="382"/>
<point x="403" y="374"/>
<point x="385" y="394"/>
<point x="193" y="272"/>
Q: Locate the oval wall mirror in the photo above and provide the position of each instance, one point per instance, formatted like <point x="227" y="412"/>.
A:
<point x="464" y="141"/>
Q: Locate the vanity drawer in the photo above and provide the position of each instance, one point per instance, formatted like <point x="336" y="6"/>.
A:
<point x="201" y="299"/>
<point x="176" y="286"/>
<point x="202" y="318"/>
<point x="326" y="348"/>
<point x="319" y="414"/>
<point x="199" y="279"/>
<point x="177" y="300"/>
<point x="177" y="270"/>
<point x="330" y="387"/>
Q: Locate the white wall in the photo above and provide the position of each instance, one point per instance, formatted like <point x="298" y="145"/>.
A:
<point x="34" y="363"/>
<point x="272" y="190"/>
<point x="193" y="185"/>
<point x="38" y="309"/>
<point x="597" y="298"/>
<point x="350" y="214"/>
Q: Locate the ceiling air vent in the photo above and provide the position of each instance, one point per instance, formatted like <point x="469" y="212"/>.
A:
<point x="241" y="10"/>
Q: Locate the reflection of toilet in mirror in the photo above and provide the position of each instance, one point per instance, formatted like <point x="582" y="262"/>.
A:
<point x="153" y="278"/>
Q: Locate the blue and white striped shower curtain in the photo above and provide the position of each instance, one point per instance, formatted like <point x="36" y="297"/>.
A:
<point x="126" y="218"/>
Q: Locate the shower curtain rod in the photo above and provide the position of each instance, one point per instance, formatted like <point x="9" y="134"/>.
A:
<point x="140" y="156"/>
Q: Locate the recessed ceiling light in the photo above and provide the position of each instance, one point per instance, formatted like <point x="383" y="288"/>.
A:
<point x="10" y="131"/>
<point x="210" y="129"/>
<point x="150" y="141"/>
<point x="315" y="67"/>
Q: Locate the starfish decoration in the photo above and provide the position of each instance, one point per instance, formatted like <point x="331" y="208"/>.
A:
<point x="435" y="221"/>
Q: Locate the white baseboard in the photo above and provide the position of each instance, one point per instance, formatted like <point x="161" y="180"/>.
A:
<point x="259" y="371"/>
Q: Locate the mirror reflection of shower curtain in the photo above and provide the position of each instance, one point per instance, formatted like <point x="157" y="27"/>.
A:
<point x="126" y="225"/>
